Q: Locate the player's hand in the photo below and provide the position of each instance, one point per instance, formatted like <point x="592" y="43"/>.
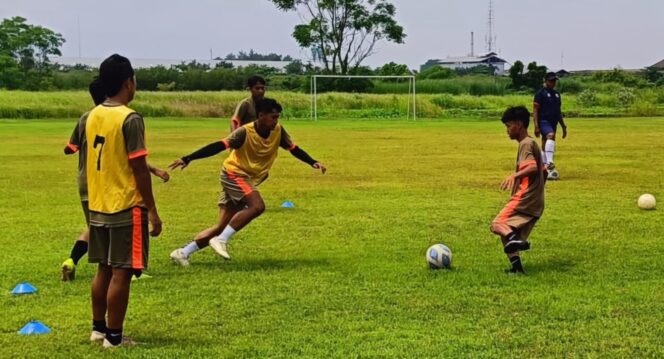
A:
<point x="179" y="163"/>
<point x="155" y="221"/>
<point x="564" y="132"/>
<point x="537" y="132"/>
<point x="162" y="174"/>
<point x="319" y="166"/>
<point x="508" y="183"/>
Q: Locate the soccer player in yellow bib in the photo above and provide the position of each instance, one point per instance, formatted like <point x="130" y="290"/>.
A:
<point x="255" y="146"/>
<point x="119" y="198"/>
<point x="78" y="143"/>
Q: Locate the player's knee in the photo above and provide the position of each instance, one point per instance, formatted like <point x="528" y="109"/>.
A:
<point x="551" y="136"/>
<point x="259" y="208"/>
<point x="122" y="275"/>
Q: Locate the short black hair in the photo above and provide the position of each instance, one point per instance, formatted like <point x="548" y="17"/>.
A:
<point x="268" y="105"/>
<point x="518" y="114"/>
<point x="97" y="91"/>
<point x="113" y="72"/>
<point x="254" y="80"/>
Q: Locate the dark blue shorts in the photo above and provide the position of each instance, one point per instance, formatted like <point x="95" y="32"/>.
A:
<point x="547" y="127"/>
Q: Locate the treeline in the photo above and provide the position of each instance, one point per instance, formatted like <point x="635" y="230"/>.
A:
<point x="295" y="77"/>
<point x="255" y="56"/>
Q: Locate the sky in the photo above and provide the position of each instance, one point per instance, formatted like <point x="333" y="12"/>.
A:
<point x="569" y="34"/>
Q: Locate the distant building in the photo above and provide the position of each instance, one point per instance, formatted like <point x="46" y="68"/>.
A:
<point x="145" y="63"/>
<point x="659" y="65"/>
<point x="560" y="72"/>
<point x="490" y="59"/>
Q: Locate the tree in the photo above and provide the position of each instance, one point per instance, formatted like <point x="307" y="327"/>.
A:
<point x="27" y="47"/>
<point x="535" y="75"/>
<point x="653" y="74"/>
<point x="516" y="74"/>
<point x="255" y="56"/>
<point x="393" y="69"/>
<point x="436" y="73"/>
<point x="294" y="68"/>
<point x="343" y="32"/>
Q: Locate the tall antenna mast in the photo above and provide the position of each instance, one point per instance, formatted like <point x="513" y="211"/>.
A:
<point x="490" y="37"/>
<point x="472" y="44"/>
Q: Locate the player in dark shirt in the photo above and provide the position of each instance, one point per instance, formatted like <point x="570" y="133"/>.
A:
<point x="547" y="115"/>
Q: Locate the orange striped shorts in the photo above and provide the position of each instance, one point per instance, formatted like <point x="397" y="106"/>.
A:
<point x="521" y="222"/>
<point x="234" y="187"/>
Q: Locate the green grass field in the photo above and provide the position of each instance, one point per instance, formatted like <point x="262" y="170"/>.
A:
<point x="343" y="274"/>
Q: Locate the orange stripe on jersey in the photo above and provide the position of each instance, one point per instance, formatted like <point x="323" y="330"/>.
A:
<point x="511" y="206"/>
<point x="137" y="154"/>
<point x="525" y="164"/>
<point x="246" y="189"/>
<point x="292" y="147"/>
<point x="72" y="147"/>
<point x="137" y="239"/>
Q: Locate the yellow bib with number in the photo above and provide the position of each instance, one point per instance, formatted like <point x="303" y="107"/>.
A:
<point x="111" y="182"/>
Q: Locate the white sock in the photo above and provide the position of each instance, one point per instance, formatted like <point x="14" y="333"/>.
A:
<point x="544" y="158"/>
<point x="190" y="248"/>
<point x="549" y="148"/>
<point x="226" y="235"/>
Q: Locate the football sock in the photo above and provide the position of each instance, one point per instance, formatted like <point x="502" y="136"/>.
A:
<point x="544" y="158"/>
<point x="190" y="248"/>
<point x="516" y="264"/>
<point x="226" y="235"/>
<point x="514" y="236"/>
<point x="114" y="336"/>
<point x="549" y="149"/>
<point x="78" y="251"/>
<point x="99" y="326"/>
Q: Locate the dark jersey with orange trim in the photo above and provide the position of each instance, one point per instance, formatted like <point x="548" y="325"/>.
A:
<point x="528" y="193"/>
<point x="245" y="113"/>
<point x="77" y="143"/>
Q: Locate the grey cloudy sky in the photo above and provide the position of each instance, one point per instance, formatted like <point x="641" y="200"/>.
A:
<point x="590" y="34"/>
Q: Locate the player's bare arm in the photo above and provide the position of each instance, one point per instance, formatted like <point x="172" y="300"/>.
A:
<point x="159" y="173"/>
<point x="142" y="174"/>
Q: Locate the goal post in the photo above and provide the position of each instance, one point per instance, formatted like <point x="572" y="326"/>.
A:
<point x="412" y="92"/>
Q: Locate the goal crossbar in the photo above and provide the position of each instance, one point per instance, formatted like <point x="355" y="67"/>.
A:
<point x="412" y="93"/>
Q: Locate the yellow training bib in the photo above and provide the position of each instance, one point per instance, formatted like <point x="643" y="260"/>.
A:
<point x="111" y="182"/>
<point x="256" y="156"/>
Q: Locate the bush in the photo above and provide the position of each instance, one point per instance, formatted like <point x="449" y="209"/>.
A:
<point x="588" y="98"/>
<point x="625" y="97"/>
<point x="436" y="73"/>
<point x="166" y="87"/>
<point x="571" y="86"/>
<point x="643" y="109"/>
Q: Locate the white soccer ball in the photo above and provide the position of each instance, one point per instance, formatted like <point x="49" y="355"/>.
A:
<point x="554" y="175"/>
<point x="439" y="256"/>
<point x="647" y="201"/>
